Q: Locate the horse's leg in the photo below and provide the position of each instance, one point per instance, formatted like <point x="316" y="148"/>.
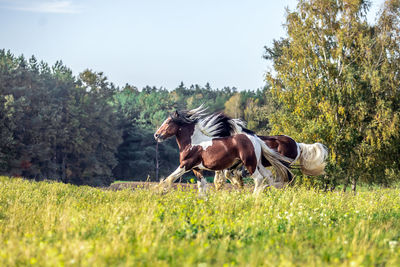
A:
<point x="174" y="176"/>
<point x="270" y="178"/>
<point x="251" y="164"/>
<point x="201" y="182"/>
<point x="234" y="177"/>
<point x="219" y="180"/>
<point x="258" y="182"/>
<point x="228" y="176"/>
<point x="289" y="174"/>
<point x="237" y="178"/>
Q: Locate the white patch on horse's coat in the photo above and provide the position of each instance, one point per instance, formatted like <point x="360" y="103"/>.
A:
<point x="260" y="173"/>
<point x="159" y="140"/>
<point x="200" y="139"/>
<point x="161" y="125"/>
<point x="256" y="147"/>
<point x="202" y="167"/>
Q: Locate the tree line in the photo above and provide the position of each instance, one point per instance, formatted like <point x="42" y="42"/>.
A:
<point x="85" y="130"/>
<point x="335" y="80"/>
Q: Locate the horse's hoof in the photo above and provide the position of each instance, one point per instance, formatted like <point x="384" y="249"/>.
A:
<point x="161" y="188"/>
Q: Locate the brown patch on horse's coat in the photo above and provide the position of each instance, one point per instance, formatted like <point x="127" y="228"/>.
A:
<point x="283" y="144"/>
<point x="222" y="154"/>
<point x="190" y="157"/>
<point x="247" y="152"/>
<point x="239" y="148"/>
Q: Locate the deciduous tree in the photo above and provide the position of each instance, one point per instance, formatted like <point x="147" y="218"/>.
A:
<point x="337" y="80"/>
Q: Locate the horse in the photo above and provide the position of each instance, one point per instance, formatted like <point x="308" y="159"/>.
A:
<point x="215" y="142"/>
<point x="311" y="158"/>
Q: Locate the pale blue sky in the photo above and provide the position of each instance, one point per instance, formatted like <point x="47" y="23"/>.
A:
<point x="150" y="42"/>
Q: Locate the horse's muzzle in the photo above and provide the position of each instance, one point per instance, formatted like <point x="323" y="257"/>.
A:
<point x="159" y="138"/>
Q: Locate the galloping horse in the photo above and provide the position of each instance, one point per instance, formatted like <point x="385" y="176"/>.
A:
<point x="201" y="147"/>
<point x="311" y="158"/>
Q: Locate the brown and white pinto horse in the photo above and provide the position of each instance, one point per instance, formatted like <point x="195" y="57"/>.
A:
<point x="311" y="159"/>
<point x="200" y="149"/>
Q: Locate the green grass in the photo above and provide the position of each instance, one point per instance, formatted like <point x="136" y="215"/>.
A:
<point x="188" y="179"/>
<point x="52" y="224"/>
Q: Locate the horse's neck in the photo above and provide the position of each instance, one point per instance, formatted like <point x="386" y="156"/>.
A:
<point x="183" y="137"/>
<point x="191" y="136"/>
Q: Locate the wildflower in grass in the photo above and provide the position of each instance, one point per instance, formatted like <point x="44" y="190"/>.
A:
<point x="393" y="244"/>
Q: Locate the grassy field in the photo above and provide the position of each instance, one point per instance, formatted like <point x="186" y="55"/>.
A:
<point x="51" y="224"/>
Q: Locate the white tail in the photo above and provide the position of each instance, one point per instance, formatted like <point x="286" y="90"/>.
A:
<point x="312" y="158"/>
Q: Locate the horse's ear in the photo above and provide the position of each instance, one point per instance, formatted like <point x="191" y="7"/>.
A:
<point x="176" y="114"/>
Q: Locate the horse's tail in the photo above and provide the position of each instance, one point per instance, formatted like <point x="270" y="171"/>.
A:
<point x="312" y="158"/>
<point x="279" y="162"/>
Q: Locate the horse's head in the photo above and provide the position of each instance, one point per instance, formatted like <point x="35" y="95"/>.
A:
<point x="168" y="128"/>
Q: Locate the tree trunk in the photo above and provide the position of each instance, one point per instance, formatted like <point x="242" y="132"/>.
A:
<point x="346" y="183"/>
<point x="354" y="185"/>
<point x="63" y="171"/>
<point x="157" y="163"/>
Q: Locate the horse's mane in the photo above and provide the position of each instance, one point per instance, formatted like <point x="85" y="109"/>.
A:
<point x="185" y="117"/>
<point x="212" y="125"/>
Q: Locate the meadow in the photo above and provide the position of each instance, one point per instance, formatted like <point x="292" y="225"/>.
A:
<point x="53" y="224"/>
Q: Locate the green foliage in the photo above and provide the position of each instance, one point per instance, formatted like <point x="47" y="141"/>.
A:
<point x="233" y="106"/>
<point x="335" y="82"/>
<point x="51" y="224"/>
<point x="63" y="128"/>
<point x="257" y="111"/>
<point x="7" y="127"/>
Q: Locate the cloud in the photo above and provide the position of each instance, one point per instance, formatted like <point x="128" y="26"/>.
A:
<point x="40" y="6"/>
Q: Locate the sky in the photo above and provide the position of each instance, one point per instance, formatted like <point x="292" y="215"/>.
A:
<point x="151" y="42"/>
